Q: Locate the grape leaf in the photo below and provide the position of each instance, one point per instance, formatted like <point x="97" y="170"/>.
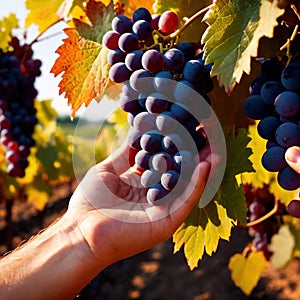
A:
<point x="232" y="38"/>
<point x="201" y="232"/>
<point x="282" y="246"/>
<point x="82" y="61"/>
<point x="261" y="176"/>
<point x="231" y="194"/>
<point x="7" y="24"/>
<point x="185" y="9"/>
<point x="44" y="14"/>
<point x="246" y="271"/>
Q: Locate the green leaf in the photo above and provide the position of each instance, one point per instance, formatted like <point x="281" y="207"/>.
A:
<point x="231" y="194"/>
<point x="261" y="176"/>
<point x="7" y="24"/>
<point x="232" y="38"/>
<point x="201" y="232"/>
<point x="282" y="246"/>
<point x="185" y="9"/>
<point x="246" y="271"/>
<point x="83" y="62"/>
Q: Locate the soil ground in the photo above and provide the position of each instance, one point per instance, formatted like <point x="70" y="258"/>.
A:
<point x="158" y="274"/>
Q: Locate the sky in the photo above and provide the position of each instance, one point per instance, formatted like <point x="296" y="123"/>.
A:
<point x="47" y="84"/>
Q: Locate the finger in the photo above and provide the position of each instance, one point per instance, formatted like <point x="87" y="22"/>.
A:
<point x="292" y="156"/>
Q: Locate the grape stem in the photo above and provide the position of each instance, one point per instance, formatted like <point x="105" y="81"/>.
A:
<point x="37" y="38"/>
<point x="294" y="8"/>
<point x="287" y="45"/>
<point x="266" y="216"/>
<point x="190" y="20"/>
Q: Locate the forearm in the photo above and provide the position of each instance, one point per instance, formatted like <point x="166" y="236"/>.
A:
<point x="56" y="264"/>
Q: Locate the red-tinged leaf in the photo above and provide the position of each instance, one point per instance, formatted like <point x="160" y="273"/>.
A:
<point x="83" y="60"/>
<point x="232" y="38"/>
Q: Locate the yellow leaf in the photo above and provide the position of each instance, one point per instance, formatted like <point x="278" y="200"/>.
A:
<point x="38" y="198"/>
<point x="246" y="271"/>
<point x="7" y="24"/>
<point x="46" y="13"/>
<point x="282" y="246"/>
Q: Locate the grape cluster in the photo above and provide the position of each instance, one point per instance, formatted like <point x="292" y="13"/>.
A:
<point x="18" y="71"/>
<point x="275" y="101"/>
<point x="159" y="77"/>
<point x="259" y="202"/>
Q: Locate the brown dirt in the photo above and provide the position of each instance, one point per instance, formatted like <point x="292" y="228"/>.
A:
<point x="157" y="274"/>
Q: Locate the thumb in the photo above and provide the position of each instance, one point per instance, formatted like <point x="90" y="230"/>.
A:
<point x="292" y="156"/>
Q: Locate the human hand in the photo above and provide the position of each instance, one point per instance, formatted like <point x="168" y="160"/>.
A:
<point x="111" y="210"/>
<point x="292" y="156"/>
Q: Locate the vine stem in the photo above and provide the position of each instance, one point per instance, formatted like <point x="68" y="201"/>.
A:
<point x="266" y="216"/>
<point x="190" y="20"/>
<point x="47" y="28"/>
<point x="294" y="8"/>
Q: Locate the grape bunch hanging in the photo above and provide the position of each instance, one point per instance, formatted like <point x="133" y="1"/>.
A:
<point x="275" y="101"/>
<point x="18" y="71"/>
<point x="145" y="55"/>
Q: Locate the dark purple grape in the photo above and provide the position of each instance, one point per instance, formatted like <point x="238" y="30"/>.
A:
<point x="151" y="142"/>
<point x="140" y="80"/>
<point x="119" y="72"/>
<point x="288" y="134"/>
<point x="142" y="159"/>
<point x="115" y="56"/>
<point x="162" y="162"/>
<point x="121" y="24"/>
<point x="153" y="61"/>
<point x="150" y="177"/>
<point x="142" y="29"/>
<point x="267" y="127"/>
<point x="166" y="122"/>
<point x="290" y="77"/>
<point x="144" y="122"/>
<point x="155" y="193"/>
<point x="270" y="90"/>
<point x="156" y="103"/>
<point x="174" y="59"/>
<point x="193" y="71"/>
<point x="287" y="104"/>
<point x="142" y="14"/>
<point x="255" y="108"/>
<point x="293" y="208"/>
<point x="172" y="143"/>
<point x="273" y="159"/>
<point x="110" y="40"/>
<point x="133" y="60"/>
<point x="288" y="179"/>
<point x="169" y="179"/>
<point x="128" y="42"/>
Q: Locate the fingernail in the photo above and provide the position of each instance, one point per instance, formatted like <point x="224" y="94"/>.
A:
<point x="293" y="154"/>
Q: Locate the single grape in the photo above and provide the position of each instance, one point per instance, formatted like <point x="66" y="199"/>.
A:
<point x="169" y="179"/>
<point x="287" y="104"/>
<point x="153" y="61"/>
<point x="172" y="143"/>
<point x="121" y="24"/>
<point x="140" y="80"/>
<point x="183" y="92"/>
<point x="267" y="127"/>
<point x="174" y="59"/>
<point x="128" y="42"/>
<point x="257" y="209"/>
<point x="270" y="90"/>
<point x="184" y="162"/>
<point x="162" y="162"/>
<point x="187" y="49"/>
<point x="142" y="29"/>
<point x="154" y="21"/>
<point x="155" y="193"/>
<point x="142" y="14"/>
<point x="290" y="77"/>
<point x="161" y="84"/>
<point x="168" y="22"/>
<point x="15" y="171"/>
<point x="156" y="103"/>
<point x="110" y="40"/>
<point x="144" y="122"/>
<point x="273" y="159"/>
<point x="166" y="122"/>
<point x="142" y="159"/>
<point x="150" y="177"/>
<point x="255" y="108"/>
<point x="193" y="71"/>
<point x="293" y="208"/>
<point x="288" y="179"/>
<point x="288" y="134"/>
<point x="119" y="72"/>
<point x="133" y="60"/>
<point x="129" y="105"/>
<point x="151" y="142"/>
<point x="256" y="85"/>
